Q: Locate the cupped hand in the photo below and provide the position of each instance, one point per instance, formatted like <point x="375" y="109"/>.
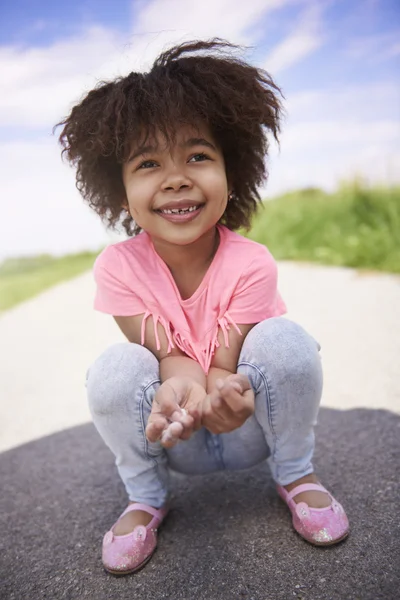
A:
<point x="229" y="405"/>
<point x="176" y="411"/>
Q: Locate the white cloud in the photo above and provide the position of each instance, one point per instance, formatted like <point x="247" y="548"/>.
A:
<point x="291" y="51"/>
<point x="39" y="85"/>
<point x="393" y="50"/>
<point x="317" y="135"/>
<point x="337" y="134"/>
<point x="364" y="102"/>
<point x="41" y="209"/>
<point x="321" y="154"/>
<point x="305" y="38"/>
<point x="373" y="164"/>
<point x="222" y="18"/>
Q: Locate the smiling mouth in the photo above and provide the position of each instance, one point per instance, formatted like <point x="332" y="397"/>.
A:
<point x="180" y="211"/>
<point x="183" y="215"/>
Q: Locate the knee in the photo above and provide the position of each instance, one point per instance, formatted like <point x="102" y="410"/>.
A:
<point x="117" y="372"/>
<point x="286" y="349"/>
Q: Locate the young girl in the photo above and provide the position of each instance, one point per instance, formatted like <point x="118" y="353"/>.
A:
<point x="210" y="363"/>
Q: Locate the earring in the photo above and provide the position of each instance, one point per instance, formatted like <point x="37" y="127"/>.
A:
<point x="231" y="196"/>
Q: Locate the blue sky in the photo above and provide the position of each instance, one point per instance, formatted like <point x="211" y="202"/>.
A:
<point x="40" y="23"/>
<point x="337" y="61"/>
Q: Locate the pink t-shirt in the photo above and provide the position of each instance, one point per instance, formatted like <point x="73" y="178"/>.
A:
<point x="240" y="287"/>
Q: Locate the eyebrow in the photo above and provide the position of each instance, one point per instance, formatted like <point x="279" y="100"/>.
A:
<point x="194" y="141"/>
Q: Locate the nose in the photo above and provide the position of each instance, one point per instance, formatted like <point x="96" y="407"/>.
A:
<point x="176" y="180"/>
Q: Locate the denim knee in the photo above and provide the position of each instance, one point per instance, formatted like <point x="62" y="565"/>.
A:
<point x="117" y="374"/>
<point x="280" y="349"/>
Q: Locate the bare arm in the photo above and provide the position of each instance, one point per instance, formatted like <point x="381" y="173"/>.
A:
<point x="174" y="363"/>
<point x="230" y="398"/>
<point x="225" y="360"/>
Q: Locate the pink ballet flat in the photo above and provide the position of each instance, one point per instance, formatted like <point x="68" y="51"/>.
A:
<point x="319" y="526"/>
<point x="123" y="554"/>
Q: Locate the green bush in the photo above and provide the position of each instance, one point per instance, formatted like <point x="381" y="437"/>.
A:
<point x="357" y="226"/>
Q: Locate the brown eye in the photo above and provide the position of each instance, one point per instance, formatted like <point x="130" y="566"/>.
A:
<point x="201" y="156"/>
<point x="145" y="164"/>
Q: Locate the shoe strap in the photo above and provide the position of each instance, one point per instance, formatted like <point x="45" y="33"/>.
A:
<point x="158" y="514"/>
<point x="306" y="487"/>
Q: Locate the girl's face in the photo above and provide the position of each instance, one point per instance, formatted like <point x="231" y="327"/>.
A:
<point x="178" y="193"/>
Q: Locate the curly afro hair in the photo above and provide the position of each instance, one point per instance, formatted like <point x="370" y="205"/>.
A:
<point x="199" y="81"/>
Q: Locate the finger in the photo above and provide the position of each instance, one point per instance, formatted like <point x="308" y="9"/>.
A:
<point x="241" y="380"/>
<point x="236" y="386"/>
<point x="196" y="416"/>
<point x="171" y="435"/>
<point x="182" y="416"/>
<point x="187" y="421"/>
<point x="214" y="414"/>
<point x="172" y="432"/>
<point x="218" y="405"/>
<point x="155" y="426"/>
<point x="233" y="399"/>
<point x="215" y="399"/>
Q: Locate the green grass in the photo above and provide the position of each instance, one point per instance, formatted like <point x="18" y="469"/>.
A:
<point x="357" y="226"/>
<point x="23" y="278"/>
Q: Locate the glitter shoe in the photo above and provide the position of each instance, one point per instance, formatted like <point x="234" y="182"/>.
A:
<point x="319" y="526"/>
<point x="123" y="554"/>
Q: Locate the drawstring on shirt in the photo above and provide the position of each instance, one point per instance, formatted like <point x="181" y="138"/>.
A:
<point x="224" y="323"/>
<point x="156" y="320"/>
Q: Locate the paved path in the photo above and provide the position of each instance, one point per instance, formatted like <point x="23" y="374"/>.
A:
<point x="228" y="535"/>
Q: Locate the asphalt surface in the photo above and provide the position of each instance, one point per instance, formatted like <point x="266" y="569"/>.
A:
<point x="227" y="537"/>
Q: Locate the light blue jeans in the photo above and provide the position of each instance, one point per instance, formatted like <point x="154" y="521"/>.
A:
<point x="283" y="365"/>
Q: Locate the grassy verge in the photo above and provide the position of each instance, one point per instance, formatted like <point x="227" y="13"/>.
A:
<point x="356" y="227"/>
<point x="23" y="278"/>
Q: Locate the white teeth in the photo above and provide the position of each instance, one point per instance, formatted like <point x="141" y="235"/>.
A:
<point x="178" y="211"/>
